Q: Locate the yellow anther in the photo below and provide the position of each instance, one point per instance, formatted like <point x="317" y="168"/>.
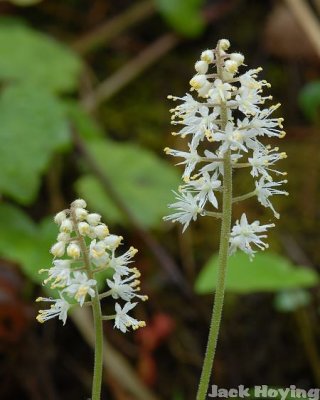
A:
<point x="282" y="134"/>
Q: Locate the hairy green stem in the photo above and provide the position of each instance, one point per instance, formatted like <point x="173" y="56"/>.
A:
<point x="222" y="261"/>
<point x="98" y="348"/>
<point x="220" y="288"/>
<point x="97" y="318"/>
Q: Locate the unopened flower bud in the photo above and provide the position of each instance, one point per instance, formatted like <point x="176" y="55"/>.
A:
<point x="203" y="92"/>
<point x="198" y="81"/>
<point x="112" y="241"/>
<point x="93" y="219"/>
<point x="80" y="213"/>
<point x="66" y="226"/>
<point x="101" y="231"/>
<point x="207" y="56"/>
<point x="224" y="44"/>
<point x="79" y="203"/>
<point x="84" y="228"/>
<point x="73" y="250"/>
<point x="237" y="57"/>
<point x="60" y="217"/>
<point x="63" y="237"/>
<point x="58" y="249"/>
<point x="201" y="67"/>
<point x="231" y="66"/>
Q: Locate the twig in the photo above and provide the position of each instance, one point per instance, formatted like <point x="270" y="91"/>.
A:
<point x="307" y="20"/>
<point x="158" y="251"/>
<point x="130" y="71"/>
<point x="114" y="363"/>
<point x="113" y="27"/>
<point x="146" y="58"/>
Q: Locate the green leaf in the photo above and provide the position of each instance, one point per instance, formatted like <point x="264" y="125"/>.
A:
<point x="143" y="182"/>
<point x="183" y="15"/>
<point x="85" y="125"/>
<point x="17" y="232"/>
<point x="30" y="55"/>
<point x="25" y="243"/>
<point x="32" y="128"/>
<point x="266" y="273"/>
<point x="309" y="100"/>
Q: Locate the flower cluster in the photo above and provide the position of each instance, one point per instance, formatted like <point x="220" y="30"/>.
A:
<point x="226" y="124"/>
<point x="84" y="248"/>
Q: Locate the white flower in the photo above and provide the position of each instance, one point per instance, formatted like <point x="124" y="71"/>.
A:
<point x="190" y="162"/>
<point x="262" y="125"/>
<point x="244" y="235"/>
<point x="199" y="126"/>
<point x="125" y="288"/>
<point x="98" y="254"/>
<point x="59" y="274"/>
<point x="205" y="187"/>
<point x="232" y="138"/>
<point x="91" y="250"/>
<point x="123" y="321"/>
<point x="120" y="263"/>
<point x="248" y="100"/>
<point x="228" y="123"/>
<point x="80" y="286"/>
<point x="59" y="308"/>
<point x="187" y="208"/>
<point x="221" y="91"/>
<point x="188" y="107"/>
<point x="264" y="190"/>
<point x="261" y="160"/>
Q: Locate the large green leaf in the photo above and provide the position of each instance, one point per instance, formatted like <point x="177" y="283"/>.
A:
<point x="309" y="100"/>
<point x="143" y="182"/>
<point x="266" y="273"/>
<point x="85" y="125"/>
<point x="183" y="15"/>
<point x="29" y="55"/>
<point x="22" y="241"/>
<point x="32" y="127"/>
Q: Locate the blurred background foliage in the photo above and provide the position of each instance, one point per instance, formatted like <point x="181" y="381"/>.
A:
<point x="83" y="112"/>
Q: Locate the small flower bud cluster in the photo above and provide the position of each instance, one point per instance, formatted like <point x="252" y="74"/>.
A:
<point x="226" y="122"/>
<point x="88" y="249"/>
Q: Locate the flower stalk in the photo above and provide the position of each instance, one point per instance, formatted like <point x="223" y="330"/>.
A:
<point x="90" y="250"/>
<point x="224" y="124"/>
